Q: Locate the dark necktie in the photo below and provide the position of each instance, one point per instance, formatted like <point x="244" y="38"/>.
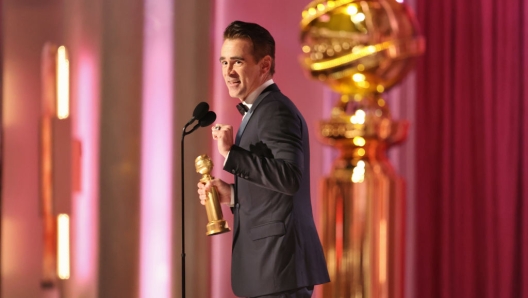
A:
<point x="242" y="108"/>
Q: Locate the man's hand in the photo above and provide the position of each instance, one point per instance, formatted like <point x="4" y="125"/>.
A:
<point x="223" y="134"/>
<point x="223" y="190"/>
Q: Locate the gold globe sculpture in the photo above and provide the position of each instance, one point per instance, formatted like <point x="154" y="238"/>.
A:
<point x="361" y="49"/>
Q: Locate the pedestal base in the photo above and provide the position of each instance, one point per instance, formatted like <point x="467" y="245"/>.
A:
<point x="216" y="227"/>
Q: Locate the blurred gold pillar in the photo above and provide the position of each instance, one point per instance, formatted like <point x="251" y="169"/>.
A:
<point x="363" y="227"/>
<point x="361" y="49"/>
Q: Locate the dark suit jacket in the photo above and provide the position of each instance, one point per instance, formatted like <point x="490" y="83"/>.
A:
<point x="275" y="242"/>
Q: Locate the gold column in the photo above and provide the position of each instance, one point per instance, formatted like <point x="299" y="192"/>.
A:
<point x="363" y="205"/>
<point x="361" y="49"/>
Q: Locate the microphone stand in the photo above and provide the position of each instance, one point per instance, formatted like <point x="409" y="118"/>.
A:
<point x="184" y="133"/>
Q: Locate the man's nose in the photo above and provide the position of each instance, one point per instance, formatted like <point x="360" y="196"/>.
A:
<point x="230" y="70"/>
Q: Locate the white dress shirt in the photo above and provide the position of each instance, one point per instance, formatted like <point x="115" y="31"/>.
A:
<point x="248" y="102"/>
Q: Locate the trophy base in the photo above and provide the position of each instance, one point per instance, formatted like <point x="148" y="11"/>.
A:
<point x="217" y="227"/>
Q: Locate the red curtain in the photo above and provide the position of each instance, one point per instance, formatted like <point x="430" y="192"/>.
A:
<point x="472" y="150"/>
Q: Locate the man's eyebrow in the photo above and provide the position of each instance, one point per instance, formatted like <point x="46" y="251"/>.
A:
<point x="232" y="58"/>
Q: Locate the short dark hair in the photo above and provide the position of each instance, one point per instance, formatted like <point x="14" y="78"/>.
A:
<point x="263" y="42"/>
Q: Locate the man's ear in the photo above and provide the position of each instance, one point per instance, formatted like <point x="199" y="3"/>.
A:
<point x="265" y="64"/>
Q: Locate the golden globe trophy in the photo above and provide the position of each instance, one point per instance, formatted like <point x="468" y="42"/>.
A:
<point x="217" y="224"/>
<point x="361" y="49"/>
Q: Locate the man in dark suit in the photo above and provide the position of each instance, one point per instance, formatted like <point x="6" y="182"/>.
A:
<point x="276" y="249"/>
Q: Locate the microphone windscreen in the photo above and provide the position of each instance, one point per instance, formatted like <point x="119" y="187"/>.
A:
<point x="208" y="119"/>
<point x="200" y="110"/>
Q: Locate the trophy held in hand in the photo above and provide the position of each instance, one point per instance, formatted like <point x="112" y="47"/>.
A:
<point x="217" y="224"/>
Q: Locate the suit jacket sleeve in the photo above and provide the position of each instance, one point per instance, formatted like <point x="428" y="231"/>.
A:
<point x="274" y="156"/>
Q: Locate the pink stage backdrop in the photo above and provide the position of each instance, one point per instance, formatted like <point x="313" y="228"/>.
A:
<point x="472" y="146"/>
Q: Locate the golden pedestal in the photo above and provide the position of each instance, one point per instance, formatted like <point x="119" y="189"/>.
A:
<point x="363" y="205"/>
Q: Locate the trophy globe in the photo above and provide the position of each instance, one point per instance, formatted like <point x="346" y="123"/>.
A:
<point x="360" y="49"/>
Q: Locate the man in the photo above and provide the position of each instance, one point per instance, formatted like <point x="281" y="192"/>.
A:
<point x="276" y="251"/>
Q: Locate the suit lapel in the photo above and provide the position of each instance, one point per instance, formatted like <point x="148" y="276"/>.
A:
<point x="265" y="92"/>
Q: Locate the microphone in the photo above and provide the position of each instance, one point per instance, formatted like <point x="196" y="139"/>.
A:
<point x="199" y="112"/>
<point x="206" y="120"/>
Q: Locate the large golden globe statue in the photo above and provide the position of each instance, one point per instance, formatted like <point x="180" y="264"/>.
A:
<point x="361" y="49"/>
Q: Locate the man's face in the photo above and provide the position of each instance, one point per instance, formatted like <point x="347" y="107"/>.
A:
<point x="241" y="72"/>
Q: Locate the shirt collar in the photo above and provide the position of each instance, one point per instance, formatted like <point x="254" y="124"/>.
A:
<point x="253" y="95"/>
